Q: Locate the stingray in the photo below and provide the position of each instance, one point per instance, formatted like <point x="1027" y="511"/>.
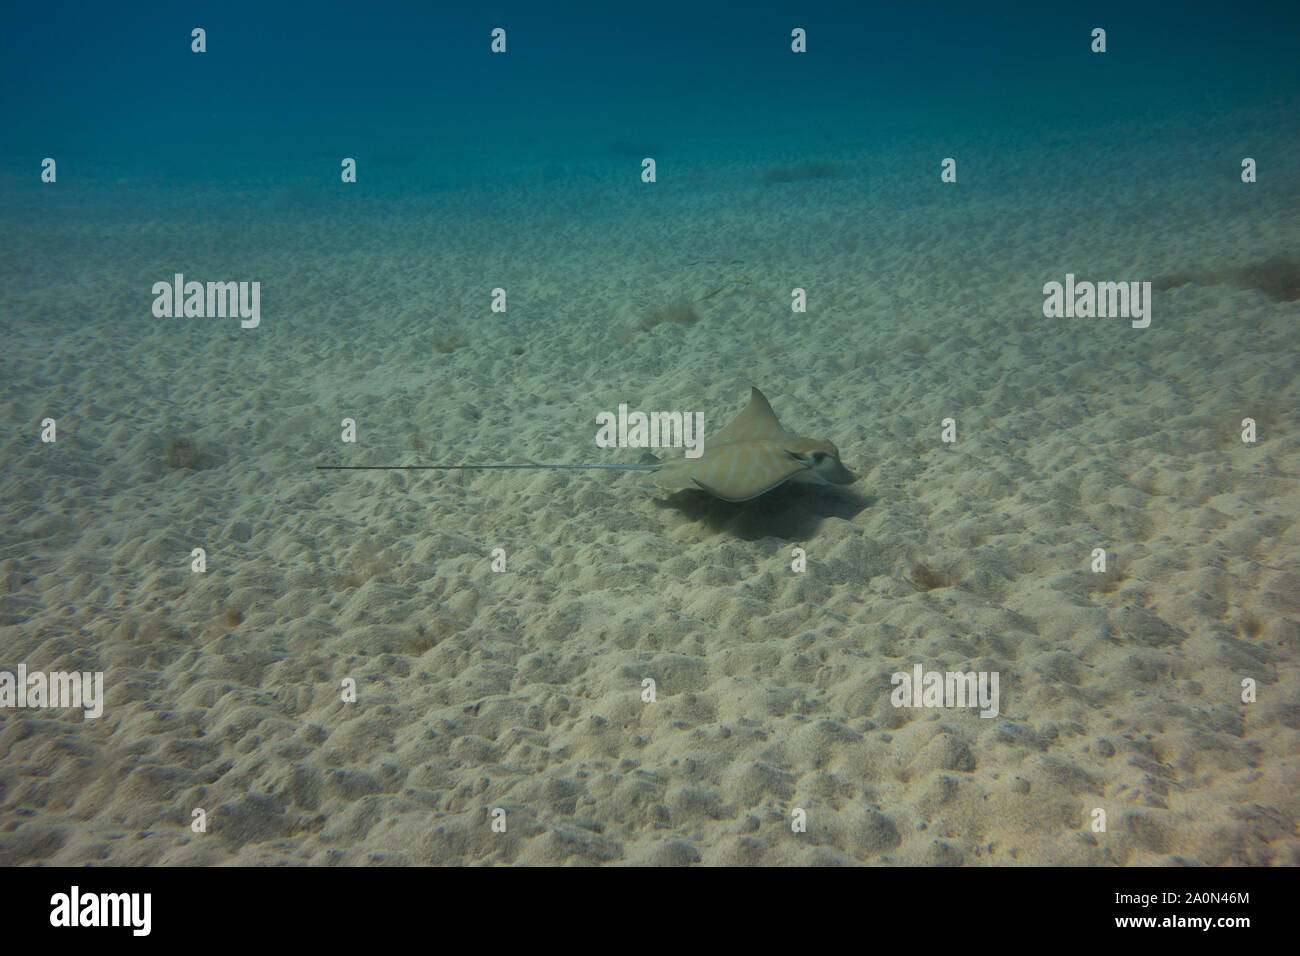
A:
<point x="751" y="456"/>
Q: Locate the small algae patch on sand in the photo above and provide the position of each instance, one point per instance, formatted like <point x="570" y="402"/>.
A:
<point x="181" y="452"/>
<point x="1277" y="277"/>
<point x="681" y="312"/>
<point x="444" y="343"/>
<point x="925" y="578"/>
<point x="799" y="173"/>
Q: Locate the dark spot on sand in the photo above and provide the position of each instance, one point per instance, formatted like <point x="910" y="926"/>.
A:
<point x="800" y="173"/>
<point x="181" y="453"/>
<point x="925" y="578"/>
<point x="679" y="313"/>
<point x="1277" y="277"/>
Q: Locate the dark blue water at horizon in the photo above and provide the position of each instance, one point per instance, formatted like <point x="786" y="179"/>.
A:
<point x="413" y="92"/>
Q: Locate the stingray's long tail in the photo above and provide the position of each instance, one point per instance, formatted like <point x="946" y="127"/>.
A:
<point x="646" y="467"/>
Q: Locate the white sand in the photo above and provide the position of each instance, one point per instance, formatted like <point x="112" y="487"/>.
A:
<point x="522" y="690"/>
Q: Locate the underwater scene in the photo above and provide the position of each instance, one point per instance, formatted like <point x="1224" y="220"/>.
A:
<point x="651" y="434"/>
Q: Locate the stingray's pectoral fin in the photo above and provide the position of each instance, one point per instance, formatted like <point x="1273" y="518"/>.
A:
<point x="647" y="459"/>
<point x="738" y="495"/>
<point x="750" y="483"/>
<point x="715" y="492"/>
<point x="675" y="474"/>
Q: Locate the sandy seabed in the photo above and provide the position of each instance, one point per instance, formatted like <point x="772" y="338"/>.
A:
<point x="522" y="690"/>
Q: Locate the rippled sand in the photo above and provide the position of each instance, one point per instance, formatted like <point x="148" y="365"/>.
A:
<point x="523" y="690"/>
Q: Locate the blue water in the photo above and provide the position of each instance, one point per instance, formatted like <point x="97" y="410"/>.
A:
<point x="412" y="91"/>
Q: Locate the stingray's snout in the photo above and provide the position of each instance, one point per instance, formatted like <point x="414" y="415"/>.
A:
<point x="839" y="475"/>
<point x="827" y="466"/>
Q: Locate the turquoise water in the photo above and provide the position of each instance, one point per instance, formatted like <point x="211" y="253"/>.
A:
<point x="417" y="96"/>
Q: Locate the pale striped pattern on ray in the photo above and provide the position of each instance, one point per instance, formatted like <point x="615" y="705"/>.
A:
<point x="751" y="456"/>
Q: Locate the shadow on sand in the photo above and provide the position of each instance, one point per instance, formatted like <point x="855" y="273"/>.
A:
<point x="791" y="512"/>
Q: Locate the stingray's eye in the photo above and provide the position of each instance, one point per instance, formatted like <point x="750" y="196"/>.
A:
<point x="818" y="457"/>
